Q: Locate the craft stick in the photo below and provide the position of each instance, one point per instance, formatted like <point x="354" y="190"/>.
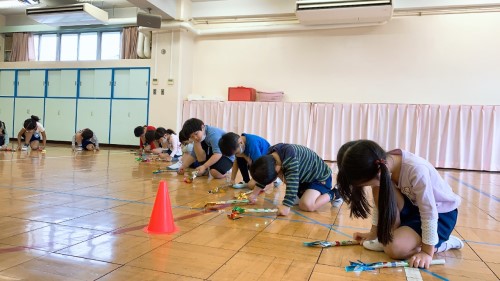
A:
<point x="326" y="244"/>
<point x="361" y="266"/>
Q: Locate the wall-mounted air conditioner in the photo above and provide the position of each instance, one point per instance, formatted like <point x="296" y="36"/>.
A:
<point x="71" y="15"/>
<point x="312" y="12"/>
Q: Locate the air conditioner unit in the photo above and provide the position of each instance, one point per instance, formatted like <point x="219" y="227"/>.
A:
<point x="314" y="12"/>
<point x="71" y="15"/>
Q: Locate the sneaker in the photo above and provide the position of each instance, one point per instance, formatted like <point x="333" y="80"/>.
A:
<point x="79" y="148"/>
<point x="337" y="202"/>
<point x="336" y="199"/>
<point x="373" y="245"/>
<point x="452" y="243"/>
<point x="240" y="185"/>
<point x="174" y="167"/>
<point x="25" y="147"/>
<point x="277" y="182"/>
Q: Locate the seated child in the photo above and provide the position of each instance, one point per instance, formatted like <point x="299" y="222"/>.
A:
<point x="140" y="132"/>
<point x="186" y="149"/>
<point x="4" y="137"/>
<point x="169" y="143"/>
<point x="205" y="149"/>
<point x="32" y="133"/>
<point x="414" y="210"/>
<point x="85" y="140"/>
<point x="307" y="177"/>
<point x="247" y="148"/>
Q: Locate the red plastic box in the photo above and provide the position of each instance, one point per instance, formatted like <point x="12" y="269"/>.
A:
<point x="241" y="94"/>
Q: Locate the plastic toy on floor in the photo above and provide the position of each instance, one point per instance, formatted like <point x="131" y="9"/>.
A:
<point x="143" y="158"/>
<point x="229" y="202"/>
<point x="220" y="188"/>
<point x="235" y="213"/>
<point x="243" y="195"/>
<point x="327" y="244"/>
<point x="189" y="178"/>
<point x="361" y="266"/>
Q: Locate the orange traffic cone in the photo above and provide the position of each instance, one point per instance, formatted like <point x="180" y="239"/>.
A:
<point x="162" y="220"/>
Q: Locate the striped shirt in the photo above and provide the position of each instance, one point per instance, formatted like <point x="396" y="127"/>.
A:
<point x="300" y="165"/>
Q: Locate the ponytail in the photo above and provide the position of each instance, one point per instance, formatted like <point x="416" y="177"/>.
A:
<point x="387" y="207"/>
<point x="360" y="162"/>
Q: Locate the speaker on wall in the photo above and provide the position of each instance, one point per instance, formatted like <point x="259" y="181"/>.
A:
<point x="148" y="20"/>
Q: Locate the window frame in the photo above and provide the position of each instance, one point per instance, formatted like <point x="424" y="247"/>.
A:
<point x="59" y="38"/>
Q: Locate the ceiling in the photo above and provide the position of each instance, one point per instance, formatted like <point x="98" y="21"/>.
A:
<point x="206" y="9"/>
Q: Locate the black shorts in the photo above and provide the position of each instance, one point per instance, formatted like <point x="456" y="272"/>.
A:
<point x="222" y="166"/>
<point x="410" y="216"/>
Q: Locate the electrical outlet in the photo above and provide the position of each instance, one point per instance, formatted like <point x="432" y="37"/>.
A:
<point x="162" y="92"/>
<point x="154" y="91"/>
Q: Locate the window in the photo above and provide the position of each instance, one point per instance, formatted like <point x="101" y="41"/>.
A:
<point x="69" y="47"/>
<point x="88" y="46"/>
<point x="104" y="45"/>
<point x="48" y="47"/>
<point x="110" y="45"/>
<point x="36" y="39"/>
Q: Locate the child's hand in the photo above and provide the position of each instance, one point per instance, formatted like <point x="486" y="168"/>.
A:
<point x="201" y="170"/>
<point x="181" y="171"/>
<point x="422" y="260"/>
<point x="283" y="210"/>
<point x="361" y="237"/>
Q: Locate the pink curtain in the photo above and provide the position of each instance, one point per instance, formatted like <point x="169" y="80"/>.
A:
<point x="129" y="42"/>
<point x="448" y="136"/>
<point x="275" y="121"/>
<point x="23" y="47"/>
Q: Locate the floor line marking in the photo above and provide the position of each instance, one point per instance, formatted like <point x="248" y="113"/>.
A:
<point x="474" y="188"/>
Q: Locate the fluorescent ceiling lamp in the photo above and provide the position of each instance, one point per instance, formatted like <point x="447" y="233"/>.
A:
<point x="72" y="15"/>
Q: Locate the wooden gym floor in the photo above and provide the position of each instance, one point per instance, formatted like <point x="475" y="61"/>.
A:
<point x="66" y="216"/>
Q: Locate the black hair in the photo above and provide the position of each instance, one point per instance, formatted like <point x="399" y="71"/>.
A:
<point x="192" y="125"/>
<point x="171" y="132"/>
<point x="87" y="134"/>
<point x="182" y="136"/>
<point x="2" y="127"/>
<point x="263" y="170"/>
<point x="30" y="124"/>
<point x="229" y="143"/>
<point x="138" y="131"/>
<point x="160" y="132"/>
<point x="360" y="162"/>
<point x="149" y="136"/>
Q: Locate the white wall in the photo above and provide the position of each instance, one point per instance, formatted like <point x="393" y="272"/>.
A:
<point x="445" y="59"/>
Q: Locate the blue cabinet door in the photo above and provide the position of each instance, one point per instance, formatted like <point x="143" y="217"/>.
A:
<point x="7" y="114"/>
<point x="7" y="82"/>
<point x="60" y="117"/>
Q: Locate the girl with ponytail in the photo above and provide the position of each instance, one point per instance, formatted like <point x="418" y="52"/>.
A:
<point x="414" y="210"/>
<point x="31" y="133"/>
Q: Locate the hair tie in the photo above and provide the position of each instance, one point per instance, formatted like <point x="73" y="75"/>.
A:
<point x="380" y="161"/>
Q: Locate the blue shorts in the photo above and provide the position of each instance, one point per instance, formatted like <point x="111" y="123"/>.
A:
<point x="322" y="187"/>
<point x="410" y="216"/>
<point x="85" y="143"/>
<point x="34" y="137"/>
